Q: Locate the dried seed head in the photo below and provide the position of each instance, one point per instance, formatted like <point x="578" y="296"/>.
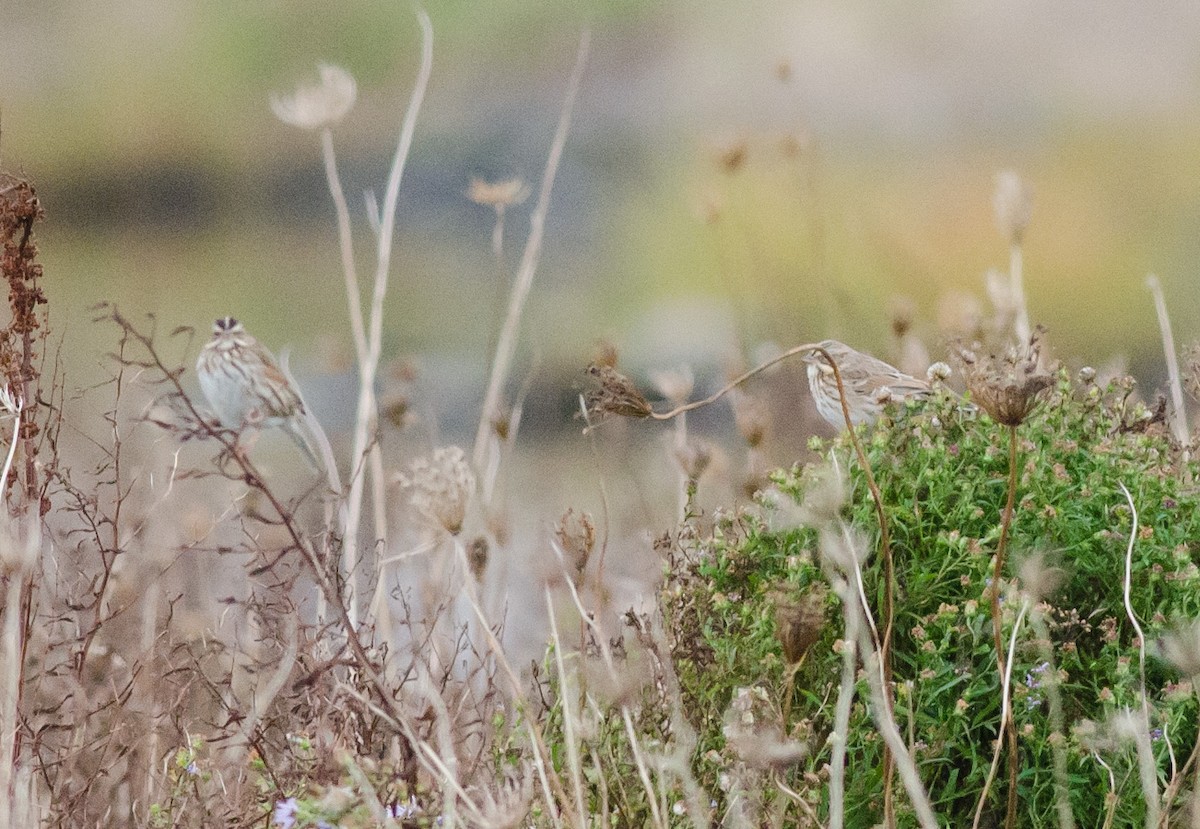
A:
<point x="477" y="557"/>
<point x="751" y="417"/>
<point x="939" y="372"/>
<point x="1013" y="203"/>
<point x="441" y="487"/>
<point x="314" y="106"/>
<point x="395" y="410"/>
<point x="904" y="309"/>
<point x="616" y="395"/>
<point x="799" y="621"/>
<point x="501" y="423"/>
<point x="1007" y="387"/>
<point x="576" y="539"/>
<point x="497" y="194"/>
<point x="693" y="457"/>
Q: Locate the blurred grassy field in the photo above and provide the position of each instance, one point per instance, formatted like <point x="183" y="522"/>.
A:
<point x="171" y="188"/>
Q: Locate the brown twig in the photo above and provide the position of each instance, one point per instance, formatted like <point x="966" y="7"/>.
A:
<point x="254" y="479"/>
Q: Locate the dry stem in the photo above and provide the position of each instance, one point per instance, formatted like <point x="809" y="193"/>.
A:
<point x="506" y="345"/>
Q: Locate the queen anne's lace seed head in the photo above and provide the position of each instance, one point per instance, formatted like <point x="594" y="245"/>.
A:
<point x="314" y="106"/>
<point x="440" y="487"/>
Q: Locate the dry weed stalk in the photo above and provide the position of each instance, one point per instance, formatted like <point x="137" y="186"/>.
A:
<point x="319" y="108"/>
<point x="1179" y="423"/>
<point x="1013" y="203"/>
<point x="483" y="454"/>
<point x="23" y="502"/>
<point x="1008" y="387"/>
<point x="188" y="423"/>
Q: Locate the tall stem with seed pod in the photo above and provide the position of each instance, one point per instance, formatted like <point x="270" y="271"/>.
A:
<point x="1007" y="387"/>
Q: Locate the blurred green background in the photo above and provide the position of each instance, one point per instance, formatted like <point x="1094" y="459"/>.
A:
<point x="737" y="173"/>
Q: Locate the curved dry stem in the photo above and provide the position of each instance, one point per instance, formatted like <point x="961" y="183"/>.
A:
<point x="574" y="764"/>
<point x="1177" y="780"/>
<point x="1005" y="712"/>
<point x="1179" y="424"/>
<point x="366" y="417"/>
<point x="1149" y="781"/>
<point x="742" y="378"/>
<point x="263" y="700"/>
<point x="345" y="245"/>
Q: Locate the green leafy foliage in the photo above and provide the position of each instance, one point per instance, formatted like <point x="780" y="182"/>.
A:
<point x="943" y="477"/>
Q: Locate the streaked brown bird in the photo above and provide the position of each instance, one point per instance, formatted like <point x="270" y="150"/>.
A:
<point x="870" y="384"/>
<point x="246" y="388"/>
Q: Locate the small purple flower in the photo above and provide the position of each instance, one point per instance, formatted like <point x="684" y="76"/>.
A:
<point x="1156" y="734"/>
<point x="192" y="768"/>
<point x="1032" y="681"/>
<point x="285" y="813"/>
<point x="404" y="810"/>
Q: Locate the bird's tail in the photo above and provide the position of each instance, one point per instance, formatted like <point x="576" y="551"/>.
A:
<point x="295" y="428"/>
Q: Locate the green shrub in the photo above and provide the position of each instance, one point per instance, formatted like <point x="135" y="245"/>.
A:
<point x="943" y="478"/>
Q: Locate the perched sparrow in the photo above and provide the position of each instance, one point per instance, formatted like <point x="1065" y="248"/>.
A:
<point x="245" y="386"/>
<point x="870" y="384"/>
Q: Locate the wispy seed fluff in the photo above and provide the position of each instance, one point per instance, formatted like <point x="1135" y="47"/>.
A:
<point x="440" y="487"/>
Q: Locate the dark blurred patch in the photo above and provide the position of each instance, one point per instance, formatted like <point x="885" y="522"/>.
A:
<point x="158" y="196"/>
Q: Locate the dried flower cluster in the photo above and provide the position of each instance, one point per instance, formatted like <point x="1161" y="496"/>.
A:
<point x="441" y="487"/>
<point x="1008" y="386"/>
<point x="497" y="194"/>
<point x="576" y="536"/>
<point x="693" y="456"/>
<point x="19" y="209"/>
<point x="617" y="394"/>
<point x="314" y="106"/>
<point x="751" y="417"/>
<point x="799" y="621"/>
